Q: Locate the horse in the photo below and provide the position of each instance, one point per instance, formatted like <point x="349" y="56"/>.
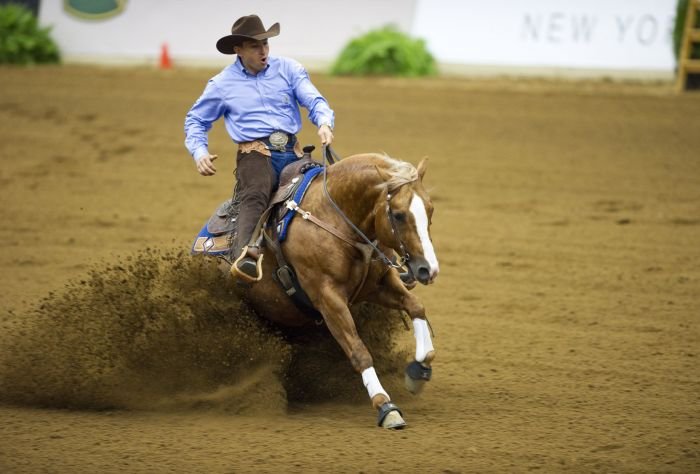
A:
<point x="364" y="208"/>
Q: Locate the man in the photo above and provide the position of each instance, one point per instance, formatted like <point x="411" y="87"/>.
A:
<point x="258" y="96"/>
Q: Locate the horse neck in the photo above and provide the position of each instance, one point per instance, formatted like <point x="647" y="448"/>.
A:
<point x="357" y="196"/>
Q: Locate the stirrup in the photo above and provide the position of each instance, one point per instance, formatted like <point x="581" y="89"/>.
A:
<point x="246" y="268"/>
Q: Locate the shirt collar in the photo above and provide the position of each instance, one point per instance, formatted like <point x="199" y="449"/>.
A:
<point x="238" y="65"/>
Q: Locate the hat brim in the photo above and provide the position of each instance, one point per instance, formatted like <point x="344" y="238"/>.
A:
<point x="225" y="44"/>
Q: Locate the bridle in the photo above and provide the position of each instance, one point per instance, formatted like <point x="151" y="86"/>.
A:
<point x="405" y="256"/>
<point x="329" y="158"/>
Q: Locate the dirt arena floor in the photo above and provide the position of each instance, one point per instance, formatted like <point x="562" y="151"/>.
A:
<point x="567" y="311"/>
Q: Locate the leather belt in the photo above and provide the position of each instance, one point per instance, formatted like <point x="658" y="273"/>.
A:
<point x="277" y="141"/>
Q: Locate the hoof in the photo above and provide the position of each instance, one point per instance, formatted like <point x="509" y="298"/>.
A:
<point x="416" y="376"/>
<point x="393" y="421"/>
<point x="390" y="417"/>
<point x="413" y="386"/>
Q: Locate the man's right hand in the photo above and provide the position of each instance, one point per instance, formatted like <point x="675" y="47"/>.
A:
<point x="205" y="165"/>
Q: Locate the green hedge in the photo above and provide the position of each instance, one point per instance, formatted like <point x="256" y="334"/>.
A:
<point x="679" y="26"/>
<point x="386" y="52"/>
<point x="22" y="41"/>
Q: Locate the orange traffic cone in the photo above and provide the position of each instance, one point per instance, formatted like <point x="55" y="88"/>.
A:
<point x="165" y="62"/>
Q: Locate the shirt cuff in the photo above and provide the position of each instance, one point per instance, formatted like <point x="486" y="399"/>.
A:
<point x="200" y="152"/>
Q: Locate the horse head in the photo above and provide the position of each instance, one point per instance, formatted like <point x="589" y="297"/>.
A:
<point x="403" y="217"/>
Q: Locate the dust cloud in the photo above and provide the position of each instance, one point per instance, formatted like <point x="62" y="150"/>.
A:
<point x="163" y="330"/>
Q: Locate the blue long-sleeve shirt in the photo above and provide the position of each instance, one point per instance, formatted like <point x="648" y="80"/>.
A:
<point x="254" y="106"/>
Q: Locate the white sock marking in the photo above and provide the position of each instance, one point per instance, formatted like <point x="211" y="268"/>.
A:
<point x="424" y="343"/>
<point x="417" y="208"/>
<point x="369" y="378"/>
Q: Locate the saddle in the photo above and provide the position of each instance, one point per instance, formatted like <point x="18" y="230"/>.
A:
<point x="223" y="221"/>
<point x="216" y="237"/>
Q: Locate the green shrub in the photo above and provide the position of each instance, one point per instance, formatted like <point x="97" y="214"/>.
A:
<point x="385" y="51"/>
<point x="679" y="27"/>
<point x="22" y="41"/>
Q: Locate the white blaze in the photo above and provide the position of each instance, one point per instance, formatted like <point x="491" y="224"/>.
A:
<point x="417" y="208"/>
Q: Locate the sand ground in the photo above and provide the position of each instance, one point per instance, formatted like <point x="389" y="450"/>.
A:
<point x="566" y="313"/>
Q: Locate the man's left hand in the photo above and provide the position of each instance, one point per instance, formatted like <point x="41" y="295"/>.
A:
<point x="325" y="133"/>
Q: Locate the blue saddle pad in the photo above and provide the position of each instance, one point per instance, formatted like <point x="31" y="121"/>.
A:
<point x="211" y="244"/>
<point x="283" y="225"/>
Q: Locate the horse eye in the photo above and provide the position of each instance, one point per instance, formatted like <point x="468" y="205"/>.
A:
<point x="400" y="216"/>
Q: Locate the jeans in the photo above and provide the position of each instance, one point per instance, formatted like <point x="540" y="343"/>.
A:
<point x="279" y="160"/>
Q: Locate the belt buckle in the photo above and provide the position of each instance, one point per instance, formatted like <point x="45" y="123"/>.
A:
<point x="278" y="141"/>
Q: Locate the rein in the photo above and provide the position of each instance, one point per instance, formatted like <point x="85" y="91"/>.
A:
<point x="329" y="158"/>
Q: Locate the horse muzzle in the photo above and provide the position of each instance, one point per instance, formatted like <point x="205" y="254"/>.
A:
<point x="422" y="270"/>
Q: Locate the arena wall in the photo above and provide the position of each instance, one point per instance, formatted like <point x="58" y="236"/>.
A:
<point x="541" y="37"/>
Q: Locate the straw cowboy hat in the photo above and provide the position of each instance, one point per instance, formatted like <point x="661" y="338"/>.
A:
<point x="248" y="27"/>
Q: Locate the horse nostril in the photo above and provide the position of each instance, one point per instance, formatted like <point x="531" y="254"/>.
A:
<point x="423" y="274"/>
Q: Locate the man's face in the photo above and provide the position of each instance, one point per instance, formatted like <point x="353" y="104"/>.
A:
<point x="253" y="54"/>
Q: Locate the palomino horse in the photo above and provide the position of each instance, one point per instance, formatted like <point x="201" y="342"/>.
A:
<point x="368" y="196"/>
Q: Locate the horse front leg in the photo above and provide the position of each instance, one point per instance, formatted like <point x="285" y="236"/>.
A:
<point x="420" y="370"/>
<point x="392" y="293"/>
<point x="338" y="318"/>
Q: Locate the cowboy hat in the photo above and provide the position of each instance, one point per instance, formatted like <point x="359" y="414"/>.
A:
<point x="248" y="27"/>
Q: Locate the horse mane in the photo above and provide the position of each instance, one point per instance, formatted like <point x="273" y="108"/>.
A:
<point x="400" y="172"/>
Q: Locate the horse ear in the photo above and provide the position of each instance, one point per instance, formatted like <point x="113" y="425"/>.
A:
<point x="383" y="174"/>
<point x="422" y="166"/>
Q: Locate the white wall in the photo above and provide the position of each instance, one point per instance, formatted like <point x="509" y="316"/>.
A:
<point x="589" y="34"/>
<point x="604" y="36"/>
<point x="311" y="30"/>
